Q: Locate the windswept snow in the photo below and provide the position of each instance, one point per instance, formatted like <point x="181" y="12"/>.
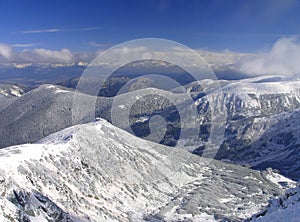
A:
<point x="283" y="209"/>
<point x="97" y="172"/>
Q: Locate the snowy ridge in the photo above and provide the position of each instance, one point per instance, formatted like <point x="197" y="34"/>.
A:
<point x="251" y="94"/>
<point x="97" y="172"/>
<point x="38" y="113"/>
<point x="252" y="108"/>
<point x="278" y="146"/>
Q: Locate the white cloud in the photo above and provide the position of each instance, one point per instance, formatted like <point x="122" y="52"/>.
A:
<point x="9" y="55"/>
<point x="85" y="29"/>
<point x="283" y="59"/>
<point x="5" y="51"/>
<point x="52" y="56"/>
<point x="22" y="45"/>
<point x="40" y="31"/>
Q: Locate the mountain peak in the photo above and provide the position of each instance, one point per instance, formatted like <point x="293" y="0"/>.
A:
<point x="127" y="177"/>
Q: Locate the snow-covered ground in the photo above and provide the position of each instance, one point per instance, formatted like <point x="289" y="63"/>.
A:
<point x="9" y="90"/>
<point x="97" y="172"/>
<point x="283" y="209"/>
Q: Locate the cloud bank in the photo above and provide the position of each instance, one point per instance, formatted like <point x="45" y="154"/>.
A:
<point x="9" y="55"/>
<point x="282" y="59"/>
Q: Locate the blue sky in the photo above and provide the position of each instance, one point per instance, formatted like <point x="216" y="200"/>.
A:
<point x="238" y="25"/>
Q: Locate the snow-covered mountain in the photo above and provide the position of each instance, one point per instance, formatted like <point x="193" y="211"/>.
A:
<point x="262" y="127"/>
<point x="278" y="147"/>
<point x="97" y="172"/>
<point x="9" y="93"/>
<point x="257" y="109"/>
<point x="10" y="90"/>
<point x="283" y="209"/>
<point x="262" y="124"/>
<point x="38" y="113"/>
<point x="250" y="106"/>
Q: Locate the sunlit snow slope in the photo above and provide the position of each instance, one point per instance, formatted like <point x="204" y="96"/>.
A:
<point x="283" y="209"/>
<point x="97" y="172"/>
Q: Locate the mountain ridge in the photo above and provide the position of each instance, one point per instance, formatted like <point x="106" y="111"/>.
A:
<point x="96" y="170"/>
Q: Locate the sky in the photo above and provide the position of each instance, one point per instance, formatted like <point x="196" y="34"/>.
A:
<point x="83" y="26"/>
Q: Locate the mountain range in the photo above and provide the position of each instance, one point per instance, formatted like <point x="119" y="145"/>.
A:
<point x="94" y="171"/>
<point x="97" y="172"/>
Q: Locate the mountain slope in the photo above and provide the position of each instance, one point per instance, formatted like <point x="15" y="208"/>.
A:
<point x="285" y="208"/>
<point x="8" y="93"/>
<point x="254" y="107"/>
<point x="278" y="147"/>
<point x="38" y="113"/>
<point x="97" y="172"/>
<point x="10" y="90"/>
